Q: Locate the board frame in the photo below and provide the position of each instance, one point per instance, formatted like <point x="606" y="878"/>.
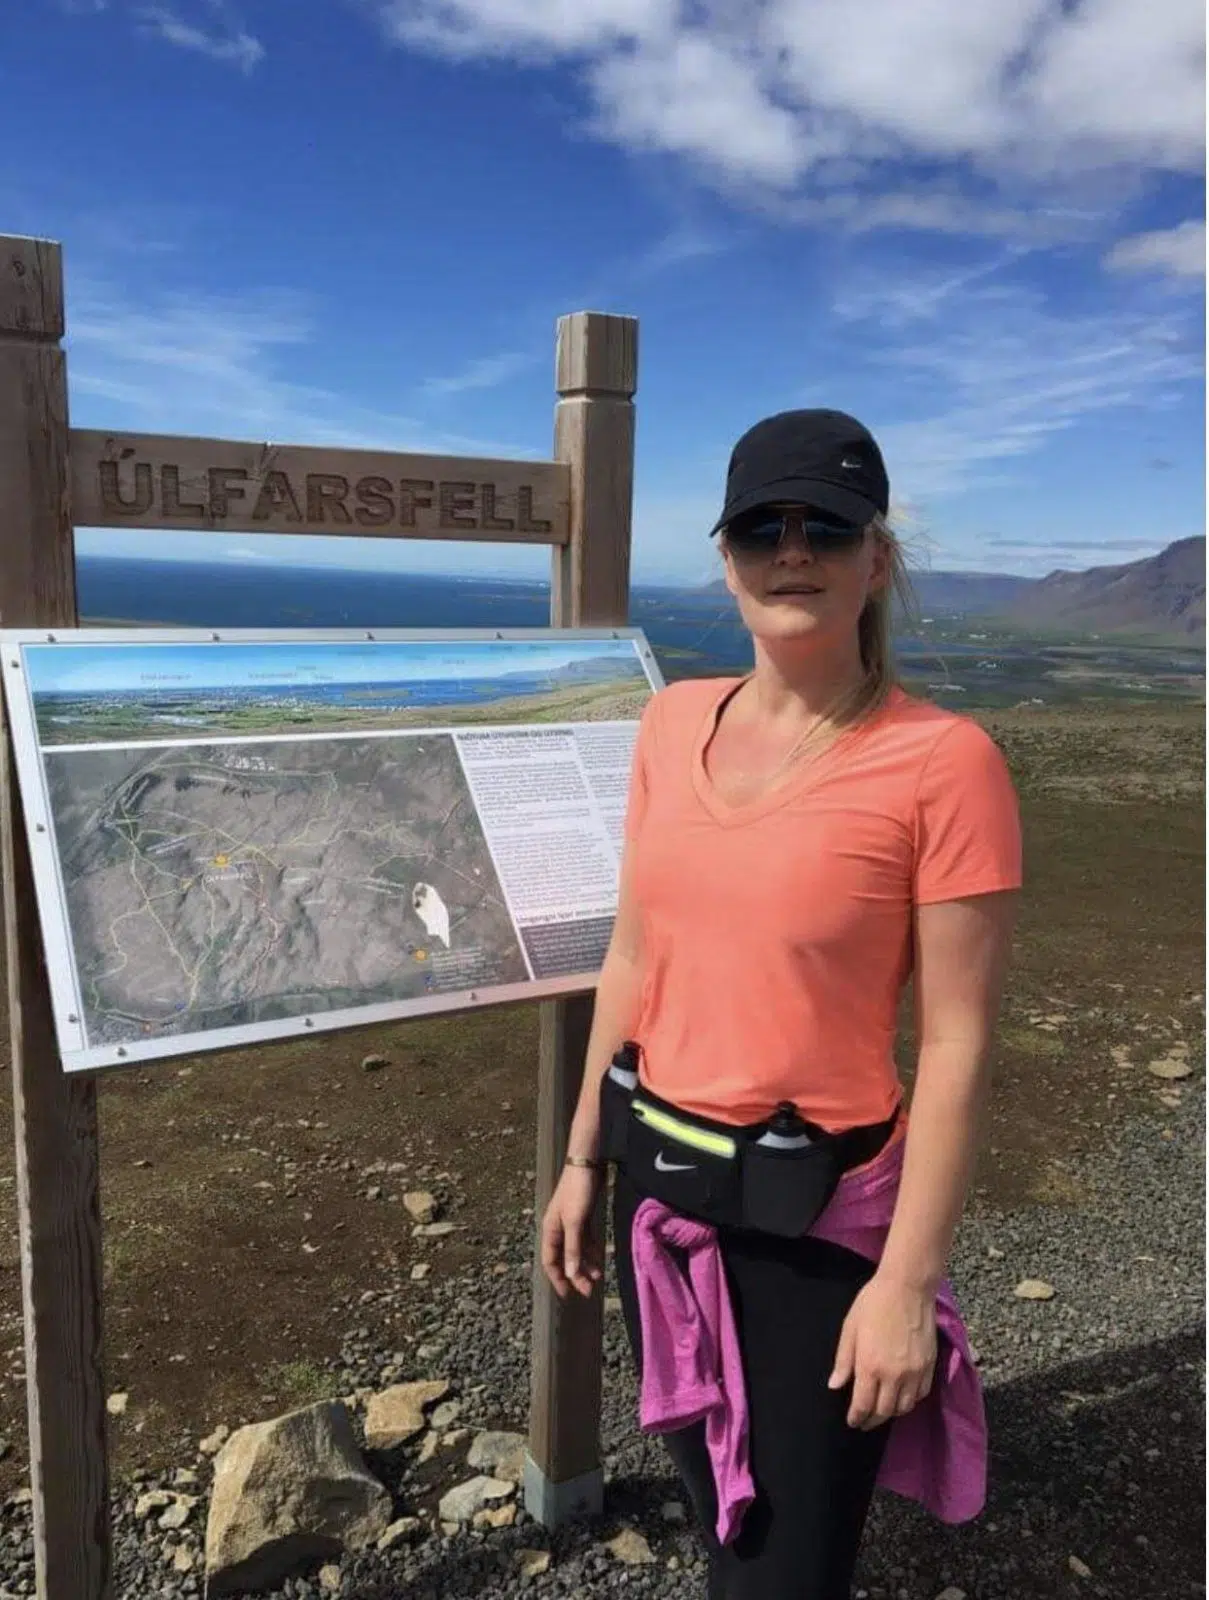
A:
<point x="76" y="1054"/>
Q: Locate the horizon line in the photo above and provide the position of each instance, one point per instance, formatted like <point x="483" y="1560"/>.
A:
<point x="544" y="583"/>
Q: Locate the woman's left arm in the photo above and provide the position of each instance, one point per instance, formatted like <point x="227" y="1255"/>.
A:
<point x="888" y="1344"/>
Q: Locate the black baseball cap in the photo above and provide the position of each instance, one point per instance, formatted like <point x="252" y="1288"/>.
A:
<point x="824" y="459"/>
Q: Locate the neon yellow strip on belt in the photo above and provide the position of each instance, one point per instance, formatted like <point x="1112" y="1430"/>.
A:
<point x="715" y="1144"/>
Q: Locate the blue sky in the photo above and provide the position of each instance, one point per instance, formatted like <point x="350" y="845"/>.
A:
<point x="981" y="228"/>
<point x="79" y="668"/>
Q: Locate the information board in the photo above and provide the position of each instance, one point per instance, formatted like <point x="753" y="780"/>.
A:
<point x="243" y="836"/>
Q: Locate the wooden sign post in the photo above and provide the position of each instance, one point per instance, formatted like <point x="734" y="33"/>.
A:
<point x="53" y="477"/>
<point x="55" y="1117"/>
<point x="590" y="582"/>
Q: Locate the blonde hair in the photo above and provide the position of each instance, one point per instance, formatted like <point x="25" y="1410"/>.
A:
<point x="876" y="626"/>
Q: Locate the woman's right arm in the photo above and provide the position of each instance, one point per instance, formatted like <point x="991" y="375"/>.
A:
<point x="572" y="1256"/>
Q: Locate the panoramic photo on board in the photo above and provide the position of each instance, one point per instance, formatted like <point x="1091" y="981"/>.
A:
<point x="602" y="821"/>
<point x="98" y="693"/>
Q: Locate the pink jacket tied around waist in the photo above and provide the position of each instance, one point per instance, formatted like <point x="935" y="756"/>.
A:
<point x="692" y="1365"/>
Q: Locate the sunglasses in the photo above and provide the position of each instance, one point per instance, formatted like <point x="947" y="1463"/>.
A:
<point x="760" y="532"/>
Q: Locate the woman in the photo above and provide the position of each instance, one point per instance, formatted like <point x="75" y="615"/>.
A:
<point x="800" y="842"/>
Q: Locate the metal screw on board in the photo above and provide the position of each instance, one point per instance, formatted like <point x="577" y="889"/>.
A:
<point x="121" y="1050"/>
<point x="216" y="637"/>
<point x="306" y="1021"/>
<point x="39" y="827"/>
<point x="71" y="1017"/>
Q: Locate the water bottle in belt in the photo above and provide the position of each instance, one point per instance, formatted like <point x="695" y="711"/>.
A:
<point x="786" y="1130"/>
<point x="624" y="1067"/>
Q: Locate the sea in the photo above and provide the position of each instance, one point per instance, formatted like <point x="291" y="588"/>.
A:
<point x="689" y="630"/>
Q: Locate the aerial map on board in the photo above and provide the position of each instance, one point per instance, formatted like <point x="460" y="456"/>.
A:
<point x="264" y="835"/>
<point x="223" y="884"/>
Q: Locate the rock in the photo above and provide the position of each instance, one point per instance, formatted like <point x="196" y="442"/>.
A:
<point x="434" y="1230"/>
<point x="1170" y="1067"/>
<point x="374" y="1063"/>
<point x="501" y="1454"/>
<point x="153" y="1500"/>
<point x="183" y="1559"/>
<point x="461" y="1503"/>
<point x="951" y="1594"/>
<point x="445" y="1415"/>
<point x="630" y="1548"/>
<point x="672" y="1511"/>
<point x="289" y="1492"/>
<point x="116" y="1404"/>
<point x="1034" y="1289"/>
<point x="420" y="1271"/>
<point x="495" y="1517"/>
<point x="213" y="1443"/>
<point x="396" y="1415"/>
<point x="185" y="1478"/>
<point x="179" y="1512"/>
<point x="1079" y="1568"/>
<point x="432" y="1443"/>
<point x="994" y="1253"/>
<point x="420" y="1205"/>
<point x="403" y="1531"/>
<point x="532" y="1563"/>
<point x="330" y="1580"/>
<point x="374" y="1192"/>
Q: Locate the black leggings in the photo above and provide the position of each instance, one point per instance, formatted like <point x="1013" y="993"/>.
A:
<point x="814" y="1475"/>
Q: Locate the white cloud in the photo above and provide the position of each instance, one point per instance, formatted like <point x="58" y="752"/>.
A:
<point x="199" y="364"/>
<point x="681" y="244"/>
<point x="1178" y="251"/>
<point x="980" y="373"/>
<point x="487" y="372"/>
<point x="693" y="96"/>
<point x="1127" y="547"/>
<point x="218" y="37"/>
<point x="542" y="29"/>
<point x="812" y="97"/>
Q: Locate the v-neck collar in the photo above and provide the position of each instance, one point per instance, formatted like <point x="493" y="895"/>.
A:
<point x="781" y="793"/>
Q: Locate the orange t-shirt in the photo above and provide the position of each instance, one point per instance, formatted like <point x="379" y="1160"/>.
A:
<point x="777" y="936"/>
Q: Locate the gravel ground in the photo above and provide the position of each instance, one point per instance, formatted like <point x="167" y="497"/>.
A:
<point x="1096" y="1400"/>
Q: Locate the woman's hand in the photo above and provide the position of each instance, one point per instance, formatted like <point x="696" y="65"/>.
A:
<point x="888" y="1349"/>
<point x="572" y="1257"/>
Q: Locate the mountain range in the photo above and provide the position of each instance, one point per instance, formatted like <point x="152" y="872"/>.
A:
<point x="1163" y="594"/>
<point x="1159" y="596"/>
